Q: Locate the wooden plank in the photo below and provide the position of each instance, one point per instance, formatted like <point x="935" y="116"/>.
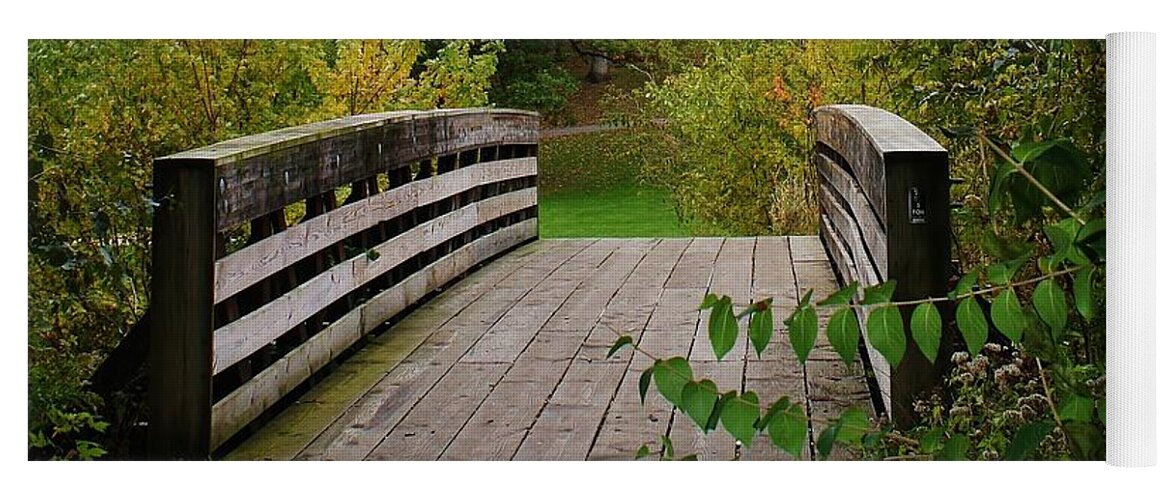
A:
<point x="262" y="173"/>
<point x="426" y="431"/>
<point x="673" y="324"/>
<point x="695" y="268"/>
<point x="920" y="261"/>
<point x="849" y="272"/>
<point x="627" y="423"/>
<point x="731" y="276"/>
<point x="896" y="166"/>
<point x="358" y="431"/>
<point x="496" y="429"/>
<point x="507" y="339"/>
<point x="246" y="403"/>
<point x="772" y="380"/>
<point x="247" y="266"/>
<point x="776" y="372"/>
<point x="825" y="396"/>
<point x="566" y="427"/>
<point x="367" y="422"/>
<point x="182" y="313"/>
<point x="242" y="337"/>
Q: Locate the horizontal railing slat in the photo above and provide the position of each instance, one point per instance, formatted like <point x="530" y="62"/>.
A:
<point x="849" y="231"/>
<point x="239" y="339"/>
<point x="253" y="263"/>
<point x="858" y="209"/>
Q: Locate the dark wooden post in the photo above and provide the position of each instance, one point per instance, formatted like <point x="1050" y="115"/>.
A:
<point x="886" y="216"/>
<point x="180" y="359"/>
<point x="918" y="232"/>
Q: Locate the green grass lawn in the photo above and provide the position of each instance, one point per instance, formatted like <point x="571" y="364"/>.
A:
<point x="590" y="188"/>
<point x="615" y="211"/>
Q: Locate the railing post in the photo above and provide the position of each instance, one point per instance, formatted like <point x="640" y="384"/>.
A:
<point x="918" y="231"/>
<point x="884" y="191"/>
<point x="180" y="355"/>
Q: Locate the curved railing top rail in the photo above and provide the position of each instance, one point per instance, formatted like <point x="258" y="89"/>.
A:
<point x="887" y="132"/>
<point x="242" y="148"/>
<point x="869" y="141"/>
<point x="261" y="173"/>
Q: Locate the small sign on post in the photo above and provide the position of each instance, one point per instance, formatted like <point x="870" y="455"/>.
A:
<point x="916" y="207"/>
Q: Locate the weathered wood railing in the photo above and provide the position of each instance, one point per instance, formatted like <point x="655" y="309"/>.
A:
<point x="431" y="194"/>
<point x="885" y="215"/>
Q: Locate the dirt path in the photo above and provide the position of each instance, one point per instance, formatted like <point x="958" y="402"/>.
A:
<point x="553" y="133"/>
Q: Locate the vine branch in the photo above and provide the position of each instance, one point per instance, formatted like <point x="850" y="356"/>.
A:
<point x="1020" y="169"/>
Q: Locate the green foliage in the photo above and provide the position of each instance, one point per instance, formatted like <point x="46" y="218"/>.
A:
<point x="622" y="341"/>
<point x="787" y="427"/>
<point x="802" y="331"/>
<point x="927" y="329"/>
<point x="671" y="376"/>
<point x="844" y="334"/>
<point x="970" y="318"/>
<point x="644" y="383"/>
<point x="852" y="425"/>
<point x="531" y="75"/>
<point x="69" y="436"/>
<point x="739" y="415"/>
<point x="722" y="328"/>
<point x="760" y="325"/>
<point x="1008" y="316"/>
<point x="879" y="294"/>
<point x="886" y="334"/>
<point x="545" y="91"/>
<point x="841" y="297"/>
<point x="1027" y="439"/>
<point x="1002" y="405"/>
<point x="698" y="400"/>
<point x="955" y="448"/>
<point x="1049" y="301"/>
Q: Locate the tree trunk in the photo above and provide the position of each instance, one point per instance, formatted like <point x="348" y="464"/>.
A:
<point x="599" y="69"/>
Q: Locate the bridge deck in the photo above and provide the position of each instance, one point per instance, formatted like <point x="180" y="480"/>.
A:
<point x="509" y="363"/>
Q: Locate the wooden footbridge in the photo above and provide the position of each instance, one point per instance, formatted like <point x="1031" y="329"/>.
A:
<point x="413" y="313"/>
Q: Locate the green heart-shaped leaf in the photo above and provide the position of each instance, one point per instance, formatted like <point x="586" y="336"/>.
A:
<point x="760" y="328"/>
<point x="670" y="377"/>
<point x="852" y="425"/>
<point x="843" y="334"/>
<point x="885" y="327"/>
<point x="788" y="427"/>
<point x="698" y="400"/>
<point x="973" y="326"/>
<point x="722" y="329"/>
<point x="926" y="329"/>
<point x="803" y="332"/>
<point x="1008" y="316"/>
<point x="739" y="416"/>
<point x="1049" y="301"/>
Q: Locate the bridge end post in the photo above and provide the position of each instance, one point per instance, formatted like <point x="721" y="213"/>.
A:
<point x="919" y="257"/>
<point x="886" y="215"/>
<point x="179" y="390"/>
